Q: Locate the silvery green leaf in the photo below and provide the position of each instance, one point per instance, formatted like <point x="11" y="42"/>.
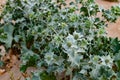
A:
<point x="117" y="56"/>
<point x="95" y="72"/>
<point x="77" y="35"/>
<point x="80" y="50"/>
<point x="75" y="59"/>
<point x="83" y="71"/>
<point x="49" y="57"/>
<point x="84" y="43"/>
<point x="58" y="60"/>
<point x="8" y="29"/>
<point x="71" y="39"/>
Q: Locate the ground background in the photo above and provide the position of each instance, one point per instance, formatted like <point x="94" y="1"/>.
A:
<point x="113" y="31"/>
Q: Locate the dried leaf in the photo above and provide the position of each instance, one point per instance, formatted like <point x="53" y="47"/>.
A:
<point x="2" y="71"/>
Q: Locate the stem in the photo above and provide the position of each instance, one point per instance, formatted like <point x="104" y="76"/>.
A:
<point x="71" y="75"/>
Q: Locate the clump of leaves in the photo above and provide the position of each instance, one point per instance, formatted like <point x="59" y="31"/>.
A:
<point x="62" y="42"/>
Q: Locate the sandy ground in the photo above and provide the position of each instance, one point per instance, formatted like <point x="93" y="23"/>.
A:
<point x="2" y="2"/>
<point x="113" y="31"/>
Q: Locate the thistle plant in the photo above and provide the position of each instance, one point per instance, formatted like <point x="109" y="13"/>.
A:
<point x="62" y="42"/>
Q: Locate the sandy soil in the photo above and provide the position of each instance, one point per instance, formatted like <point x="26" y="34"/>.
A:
<point x="2" y="2"/>
<point x="113" y="31"/>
